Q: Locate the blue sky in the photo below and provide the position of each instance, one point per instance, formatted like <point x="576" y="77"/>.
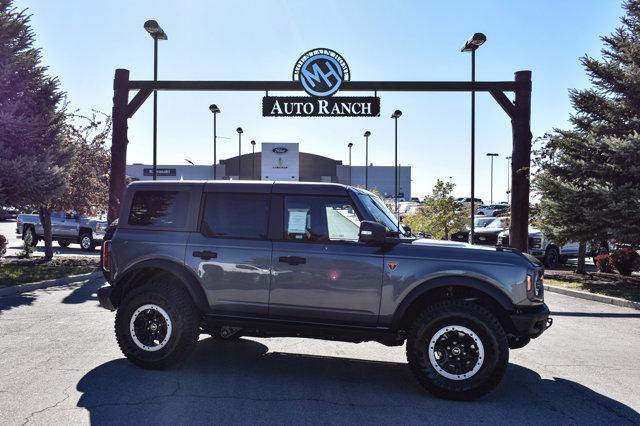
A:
<point x="83" y="42"/>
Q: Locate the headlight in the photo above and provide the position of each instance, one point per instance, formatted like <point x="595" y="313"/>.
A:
<point x="101" y="227"/>
<point x="535" y="286"/>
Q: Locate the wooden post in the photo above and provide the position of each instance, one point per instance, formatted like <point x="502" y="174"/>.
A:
<point x="119" y="142"/>
<point x="521" y="128"/>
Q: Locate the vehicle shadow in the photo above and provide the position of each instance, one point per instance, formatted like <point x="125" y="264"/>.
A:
<point x="85" y="292"/>
<point x="15" y="300"/>
<point x="242" y="382"/>
<point x="71" y="250"/>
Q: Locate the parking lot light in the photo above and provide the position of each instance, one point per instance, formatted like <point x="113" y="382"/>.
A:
<point x="215" y="110"/>
<point x="472" y="45"/>
<point x="366" y="161"/>
<point x="395" y="117"/>
<point x="239" y="130"/>
<point x="157" y="33"/>
<point x="350" y="145"/>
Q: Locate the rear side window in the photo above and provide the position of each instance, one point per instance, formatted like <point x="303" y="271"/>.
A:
<point x="236" y="216"/>
<point x="165" y="209"/>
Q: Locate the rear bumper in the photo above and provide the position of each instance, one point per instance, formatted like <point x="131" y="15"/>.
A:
<point x="104" y="297"/>
<point x="532" y="323"/>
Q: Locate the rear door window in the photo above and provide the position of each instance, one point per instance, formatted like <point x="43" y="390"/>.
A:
<point x="236" y="216"/>
<point x="163" y="209"/>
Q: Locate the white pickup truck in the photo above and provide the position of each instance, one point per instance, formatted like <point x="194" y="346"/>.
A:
<point x="66" y="228"/>
<point x="549" y="253"/>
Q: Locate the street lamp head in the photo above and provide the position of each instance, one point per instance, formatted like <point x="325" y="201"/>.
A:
<point x="492" y="154"/>
<point x="155" y="30"/>
<point x="239" y="130"/>
<point x="396" y="114"/>
<point x="474" y="42"/>
<point x="349" y="145"/>
<point x="214" y="108"/>
<point x="253" y="142"/>
<point x="367" y="134"/>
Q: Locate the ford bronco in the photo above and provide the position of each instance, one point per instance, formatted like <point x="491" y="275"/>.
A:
<point x="315" y="260"/>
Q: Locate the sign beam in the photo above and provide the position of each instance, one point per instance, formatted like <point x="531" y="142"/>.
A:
<point x="519" y="112"/>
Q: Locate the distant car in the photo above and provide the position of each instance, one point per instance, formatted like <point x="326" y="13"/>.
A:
<point x="466" y="201"/>
<point x="8" y="213"/>
<point x="478" y="222"/>
<point x="491" y="209"/>
<point x="489" y="234"/>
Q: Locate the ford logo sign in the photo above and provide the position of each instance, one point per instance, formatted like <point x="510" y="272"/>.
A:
<point x="321" y="72"/>
<point x="279" y="150"/>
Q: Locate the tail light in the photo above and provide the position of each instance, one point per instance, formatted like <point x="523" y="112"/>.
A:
<point x="105" y="255"/>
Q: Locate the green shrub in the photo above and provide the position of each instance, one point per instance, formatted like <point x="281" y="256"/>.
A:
<point x="625" y="260"/>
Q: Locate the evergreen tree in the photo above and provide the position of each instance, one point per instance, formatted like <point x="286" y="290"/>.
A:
<point x="33" y="155"/>
<point x="589" y="177"/>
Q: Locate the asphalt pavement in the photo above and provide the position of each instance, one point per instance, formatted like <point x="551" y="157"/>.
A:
<point x="59" y="364"/>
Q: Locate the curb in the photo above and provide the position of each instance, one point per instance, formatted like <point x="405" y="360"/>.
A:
<point x="616" y="301"/>
<point x="22" y="288"/>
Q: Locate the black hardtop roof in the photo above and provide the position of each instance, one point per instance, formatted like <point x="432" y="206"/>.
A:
<point x="277" y="187"/>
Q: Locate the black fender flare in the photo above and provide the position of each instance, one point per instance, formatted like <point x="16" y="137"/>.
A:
<point x="452" y="281"/>
<point x="185" y="276"/>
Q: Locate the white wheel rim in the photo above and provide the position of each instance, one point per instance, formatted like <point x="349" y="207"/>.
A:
<point x="437" y="366"/>
<point x="160" y="344"/>
<point x="86" y="242"/>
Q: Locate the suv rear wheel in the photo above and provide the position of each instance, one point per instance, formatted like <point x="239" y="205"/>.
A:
<point x="157" y="325"/>
<point x="457" y="350"/>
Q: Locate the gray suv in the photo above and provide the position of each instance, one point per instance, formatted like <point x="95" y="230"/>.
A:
<point x="315" y="260"/>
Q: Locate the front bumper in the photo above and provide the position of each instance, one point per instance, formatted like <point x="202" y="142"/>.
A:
<point x="532" y="323"/>
<point x="104" y="297"/>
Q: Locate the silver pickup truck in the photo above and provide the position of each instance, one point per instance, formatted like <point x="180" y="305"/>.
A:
<point x="66" y="228"/>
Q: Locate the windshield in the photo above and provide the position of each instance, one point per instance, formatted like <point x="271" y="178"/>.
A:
<point x="379" y="211"/>
<point x="481" y="222"/>
<point x="499" y="223"/>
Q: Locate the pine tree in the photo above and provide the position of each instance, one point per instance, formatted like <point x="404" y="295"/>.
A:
<point x="589" y="177"/>
<point x="33" y="155"/>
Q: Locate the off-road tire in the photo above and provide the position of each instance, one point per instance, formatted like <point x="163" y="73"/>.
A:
<point x="91" y="246"/>
<point x="184" y="316"/>
<point x="478" y="320"/>
<point x="64" y="244"/>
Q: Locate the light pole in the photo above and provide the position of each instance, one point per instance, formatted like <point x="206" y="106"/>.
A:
<point x="492" y="154"/>
<point x="253" y="160"/>
<point x="508" y="178"/>
<point x="156" y="33"/>
<point x="471" y="46"/>
<point x="350" y="145"/>
<point x="366" y="161"/>
<point x="239" y="130"/>
<point x="395" y="117"/>
<point x="215" y="110"/>
<point x="189" y="161"/>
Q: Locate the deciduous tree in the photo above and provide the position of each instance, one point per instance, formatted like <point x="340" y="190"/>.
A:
<point x="441" y="215"/>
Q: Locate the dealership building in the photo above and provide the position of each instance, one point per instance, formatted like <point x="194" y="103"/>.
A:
<point x="283" y="162"/>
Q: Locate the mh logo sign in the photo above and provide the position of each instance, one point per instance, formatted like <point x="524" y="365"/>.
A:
<point x="321" y="72"/>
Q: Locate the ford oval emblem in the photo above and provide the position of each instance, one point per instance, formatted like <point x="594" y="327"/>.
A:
<point x="279" y="150"/>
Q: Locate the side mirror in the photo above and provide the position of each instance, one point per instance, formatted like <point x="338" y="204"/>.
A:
<point x="372" y="232"/>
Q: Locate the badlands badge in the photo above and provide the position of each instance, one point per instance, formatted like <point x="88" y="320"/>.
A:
<point x="392" y="265"/>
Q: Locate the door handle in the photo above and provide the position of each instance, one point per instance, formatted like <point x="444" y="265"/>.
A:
<point x="205" y="255"/>
<point x="293" y="260"/>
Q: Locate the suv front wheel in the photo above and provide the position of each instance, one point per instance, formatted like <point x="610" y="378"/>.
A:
<point x="457" y="350"/>
<point x="157" y="325"/>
